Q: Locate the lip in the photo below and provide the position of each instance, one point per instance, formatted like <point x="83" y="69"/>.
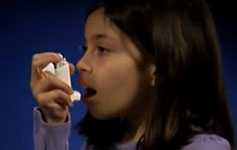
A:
<point x="87" y="99"/>
<point x="83" y="82"/>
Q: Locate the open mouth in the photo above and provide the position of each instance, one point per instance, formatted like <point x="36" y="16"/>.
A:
<point x="90" y="92"/>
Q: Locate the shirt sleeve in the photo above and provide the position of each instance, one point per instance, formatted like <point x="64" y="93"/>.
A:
<point x="50" y="136"/>
<point x="208" y="142"/>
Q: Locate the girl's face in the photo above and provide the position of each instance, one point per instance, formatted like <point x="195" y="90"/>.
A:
<point x="109" y="66"/>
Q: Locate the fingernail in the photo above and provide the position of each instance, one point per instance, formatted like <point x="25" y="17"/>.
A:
<point x="60" y="55"/>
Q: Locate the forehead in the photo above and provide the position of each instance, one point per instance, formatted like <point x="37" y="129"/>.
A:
<point x="98" y="27"/>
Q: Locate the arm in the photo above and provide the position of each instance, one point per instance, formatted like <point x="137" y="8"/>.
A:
<point x="50" y="136"/>
<point x="208" y="142"/>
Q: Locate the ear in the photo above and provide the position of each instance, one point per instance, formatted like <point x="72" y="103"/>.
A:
<point x="152" y="74"/>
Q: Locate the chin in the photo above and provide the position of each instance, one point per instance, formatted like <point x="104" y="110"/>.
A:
<point x="103" y="115"/>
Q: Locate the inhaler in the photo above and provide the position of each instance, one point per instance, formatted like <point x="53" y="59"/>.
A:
<point x="62" y="72"/>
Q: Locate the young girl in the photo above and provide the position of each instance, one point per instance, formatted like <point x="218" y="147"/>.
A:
<point x="153" y="80"/>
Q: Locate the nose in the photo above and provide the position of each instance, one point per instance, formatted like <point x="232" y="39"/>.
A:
<point x="83" y="64"/>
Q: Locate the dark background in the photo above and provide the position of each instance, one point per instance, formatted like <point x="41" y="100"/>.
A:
<point x="28" y="27"/>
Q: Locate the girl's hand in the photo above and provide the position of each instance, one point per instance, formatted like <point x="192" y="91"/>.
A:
<point x="51" y="94"/>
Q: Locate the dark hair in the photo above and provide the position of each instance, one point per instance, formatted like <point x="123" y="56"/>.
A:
<point x="179" y="36"/>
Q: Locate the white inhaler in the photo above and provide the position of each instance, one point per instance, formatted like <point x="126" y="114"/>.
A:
<point x="62" y="72"/>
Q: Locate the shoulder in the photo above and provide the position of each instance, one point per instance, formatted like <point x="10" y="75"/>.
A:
<point x="207" y="142"/>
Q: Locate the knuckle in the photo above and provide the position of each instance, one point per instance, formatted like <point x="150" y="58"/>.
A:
<point x="67" y="89"/>
<point x="35" y="63"/>
<point x="33" y="91"/>
<point x="35" y="56"/>
<point x="59" y="92"/>
<point x="39" y="96"/>
<point x="34" y="84"/>
<point x="42" y="99"/>
<point x="62" y="94"/>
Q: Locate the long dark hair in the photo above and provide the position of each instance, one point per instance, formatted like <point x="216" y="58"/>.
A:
<point x="179" y="37"/>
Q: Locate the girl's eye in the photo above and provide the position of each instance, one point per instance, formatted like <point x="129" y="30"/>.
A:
<point x="99" y="50"/>
<point x="102" y="50"/>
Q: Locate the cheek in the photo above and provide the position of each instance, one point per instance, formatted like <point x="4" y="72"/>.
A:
<point x="123" y="84"/>
<point x="118" y="74"/>
<point x="122" y="77"/>
<point x="118" y="84"/>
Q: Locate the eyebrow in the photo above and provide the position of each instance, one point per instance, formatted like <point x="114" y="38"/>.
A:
<point x="100" y="36"/>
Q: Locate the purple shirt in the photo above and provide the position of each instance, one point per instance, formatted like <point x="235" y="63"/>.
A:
<point x="55" y="137"/>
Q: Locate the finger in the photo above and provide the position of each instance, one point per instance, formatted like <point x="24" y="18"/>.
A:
<point x="40" y="60"/>
<point x="54" y="82"/>
<point x="72" y="68"/>
<point x="54" y="99"/>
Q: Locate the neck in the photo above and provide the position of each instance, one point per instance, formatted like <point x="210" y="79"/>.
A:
<point x="137" y="128"/>
<point x="137" y="120"/>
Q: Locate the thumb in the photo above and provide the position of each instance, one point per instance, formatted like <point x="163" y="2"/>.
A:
<point x="72" y="68"/>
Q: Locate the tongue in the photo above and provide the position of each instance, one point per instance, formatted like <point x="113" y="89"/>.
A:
<point x="90" y="92"/>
